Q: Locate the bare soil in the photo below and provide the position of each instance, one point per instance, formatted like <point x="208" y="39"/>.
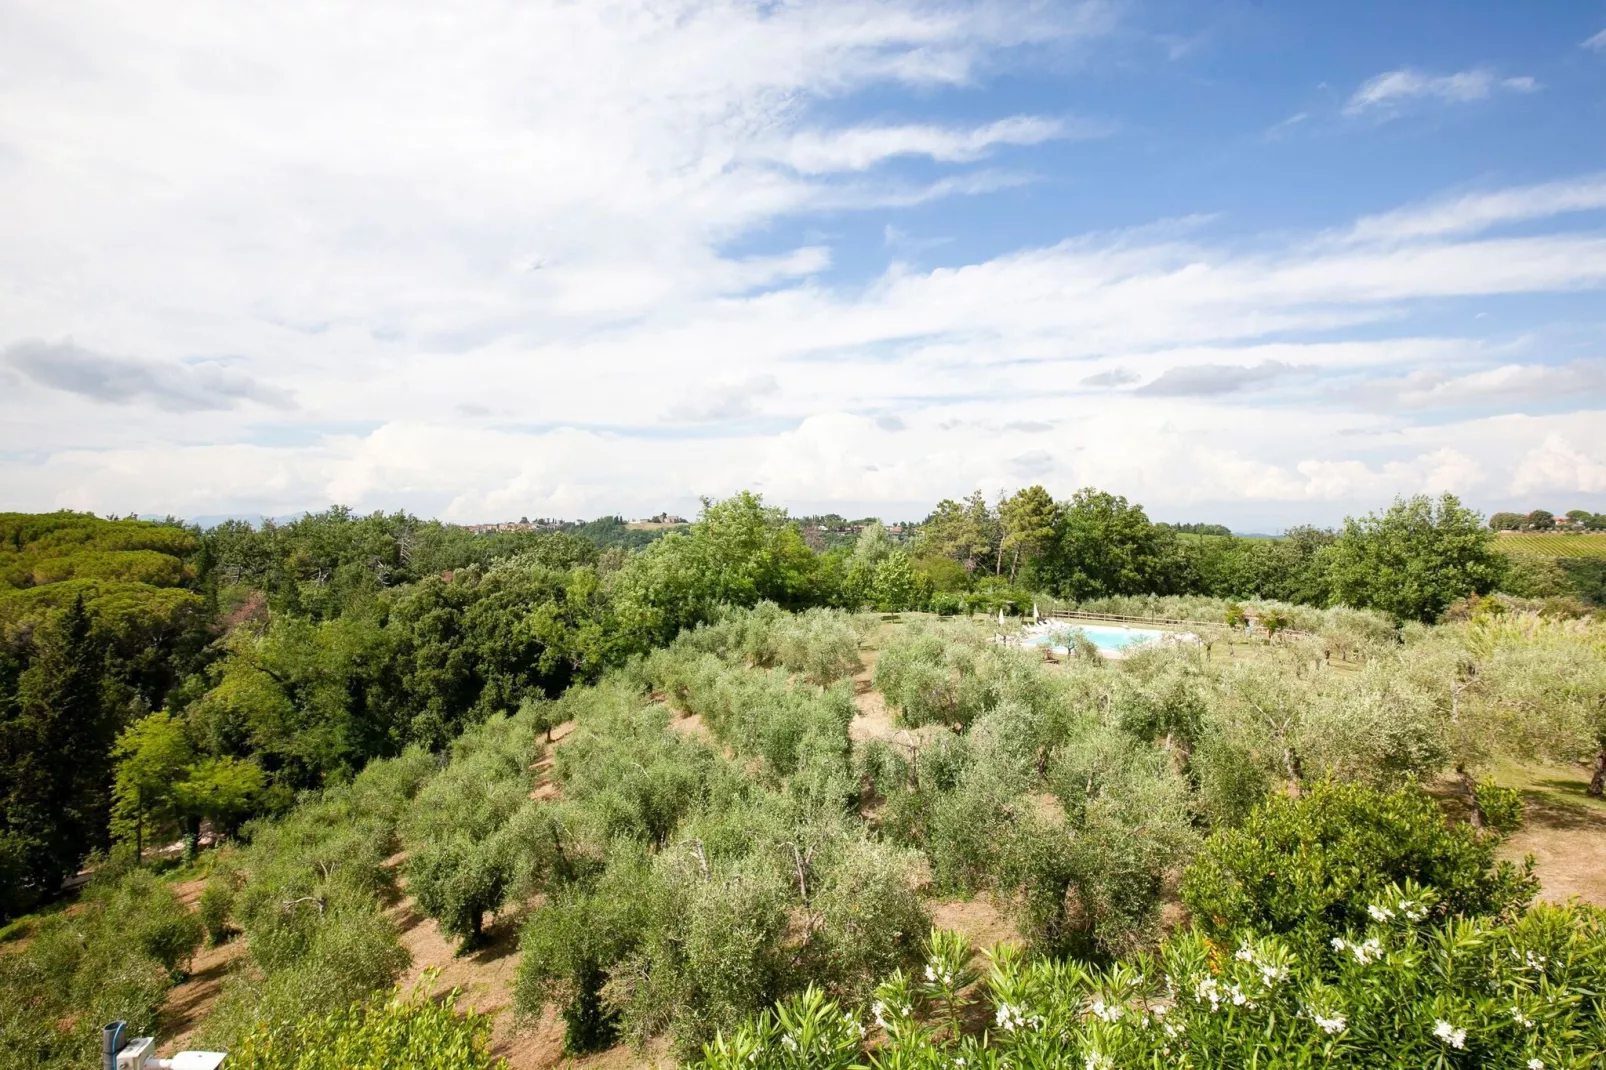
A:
<point x="984" y="920"/>
<point x="189" y="1003"/>
<point x="1565" y="831"/>
<point x="692" y="725"/>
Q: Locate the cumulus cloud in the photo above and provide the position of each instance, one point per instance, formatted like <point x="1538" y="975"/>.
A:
<point x="1031" y="464"/>
<point x="1392" y="88"/>
<point x="120" y="380"/>
<point x="1558" y="464"/>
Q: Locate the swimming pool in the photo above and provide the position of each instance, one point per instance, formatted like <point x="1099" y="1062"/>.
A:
<point x="1110" y="639"/>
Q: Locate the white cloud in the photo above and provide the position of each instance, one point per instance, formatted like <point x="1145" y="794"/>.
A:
<point x="494" y="257"/>
<point x="189" y="387"/>
<point x="862" y="147"/>
<point x="1503" y="386"/>
<point x="1394" y="87"/>
<point x="1473" y="213"/>
<point x="1597" y="42"/>
<point x="1558" y="464"/>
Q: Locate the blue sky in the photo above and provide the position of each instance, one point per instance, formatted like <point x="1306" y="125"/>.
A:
<point x="1262" y="264"/>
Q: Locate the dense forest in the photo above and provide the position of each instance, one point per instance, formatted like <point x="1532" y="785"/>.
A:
<point x="323" y="693"/>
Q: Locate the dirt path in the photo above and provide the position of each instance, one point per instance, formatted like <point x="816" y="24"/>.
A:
<point x="545" y="788"/>
<point x="189" y="1003"/>
<point x="872" y="720"/>
<point x="484" y="978"/>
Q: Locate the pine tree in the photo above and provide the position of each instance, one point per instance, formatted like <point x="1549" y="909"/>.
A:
<point x="54" y="750"/>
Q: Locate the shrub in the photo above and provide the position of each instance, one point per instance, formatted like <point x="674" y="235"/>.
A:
<point x="313" y="961"/>
<point x="805" y="1032"/>
<point x="458" y="881"/>
<point x="93" y="965"/>
<point x="570" y="943"/>
<point x="1308" y="868"/>
<point x="412" y="1031"/>
<point x="216" y="907"/>
<point x="1502" y="807"/>
<point x="1403" y="992"/>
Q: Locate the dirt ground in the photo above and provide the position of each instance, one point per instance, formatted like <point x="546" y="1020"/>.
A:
<point x="984" y="920"/>
<point x="872" y="719"/>
<point x="189" y="1003"/>
<point x="1565" y="831"/>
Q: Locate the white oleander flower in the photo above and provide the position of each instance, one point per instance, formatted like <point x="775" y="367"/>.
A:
<point x="1521" y="1019"/>
<point x="1107" y="1012"/>
<point x="1272" y="974"/>
<point x="931" y="972"/>
<point x="1244" y="954"/>
<point x="1332" y="1026"/>
<point x="1456" y="1038"/>
<point x="1379" y="913"/>
<point x="1536" y="1064"/>
<point x="787" y="1042"/>
<point x="1367" y="951"/>
<point x="1096" y="1061"/>
<point x="1010" y="1018"/>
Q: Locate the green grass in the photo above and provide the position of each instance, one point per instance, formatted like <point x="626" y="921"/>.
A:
<point x="1554" y="544"/>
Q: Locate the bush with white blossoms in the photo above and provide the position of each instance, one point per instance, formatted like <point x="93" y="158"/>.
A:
<point x="1527" y="993"/>
<point x="806" y="1032"/>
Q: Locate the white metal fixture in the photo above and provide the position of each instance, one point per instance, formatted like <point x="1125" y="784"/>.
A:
<point x="119" y="1053"/>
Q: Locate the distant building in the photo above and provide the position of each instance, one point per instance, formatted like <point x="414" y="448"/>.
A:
<point x="541" y="524"/>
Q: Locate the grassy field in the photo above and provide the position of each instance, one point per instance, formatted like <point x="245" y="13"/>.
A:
<point x="1554" y="544"/>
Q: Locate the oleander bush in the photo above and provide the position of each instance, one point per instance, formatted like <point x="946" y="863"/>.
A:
<point x="1309" y="868"/>
<point x="1405" y="990"/>
<point x="407" y="1030"/>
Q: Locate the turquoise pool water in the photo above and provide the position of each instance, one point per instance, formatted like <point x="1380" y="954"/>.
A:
<point x="1107" y="637"/>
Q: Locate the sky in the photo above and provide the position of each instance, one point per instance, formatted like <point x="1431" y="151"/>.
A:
<point x="1250" y="263"/>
